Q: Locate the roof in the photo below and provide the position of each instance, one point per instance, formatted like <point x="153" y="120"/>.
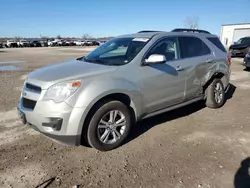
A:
<point x="151" y="34"/>
<point x="236" y="24"/>
<point x="142" y="35"/>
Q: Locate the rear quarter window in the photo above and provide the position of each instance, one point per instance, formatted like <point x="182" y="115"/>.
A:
<point x="217" y="43"/>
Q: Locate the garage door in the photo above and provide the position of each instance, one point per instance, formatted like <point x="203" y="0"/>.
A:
<point x="239" y="33"/>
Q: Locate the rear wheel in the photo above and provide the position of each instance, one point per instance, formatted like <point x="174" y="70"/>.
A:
<point x="215" y="94"/>
<point x="109" y="125"/>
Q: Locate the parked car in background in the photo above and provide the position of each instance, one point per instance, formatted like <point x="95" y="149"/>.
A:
<point x="44" y="43"/>
<point x="247" y="61"/>
<point x="65" y="43"/>
<point x="72" y="43"/>
<point x="50" y="42"/>
<point x="96" y="99"/>
<point x="79" y="42"/>
<point x="23" y="43"/>
<point x="240" y="48"/>
<point x="88" y="43"/>
<point x="101" y="42"/>
<point x="35" y="43"/>
<point x="55" y="42"/>
<point x="59" y="42"/>
<point x="11" y="44"/>
<point x="95" y="43"/>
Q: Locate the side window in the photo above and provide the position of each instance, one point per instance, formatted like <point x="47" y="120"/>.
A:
<point x="193" y="47"/>
<point x="217" y="43"/>
<point x="246" y="41"/>
<point x="168" y="47"/>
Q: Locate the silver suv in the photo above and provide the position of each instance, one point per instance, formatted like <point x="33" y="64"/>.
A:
<point x="96" y="99"/>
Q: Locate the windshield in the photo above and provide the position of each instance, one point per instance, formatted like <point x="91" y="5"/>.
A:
<point x="243" y="41"/>
<point x="118" y="51"/>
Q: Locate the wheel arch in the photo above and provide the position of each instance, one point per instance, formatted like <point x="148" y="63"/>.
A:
<point x="219" y="75"/>
<point x="122" y="97"/>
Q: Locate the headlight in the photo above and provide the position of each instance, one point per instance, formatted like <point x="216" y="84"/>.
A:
<point x="61" y="91"/>
<point x="248" y="55"/>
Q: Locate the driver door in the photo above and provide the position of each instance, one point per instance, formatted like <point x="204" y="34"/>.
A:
<point x="163" y="85"/>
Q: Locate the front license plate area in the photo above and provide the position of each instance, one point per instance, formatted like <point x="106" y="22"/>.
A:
<point x="21" y="115"/>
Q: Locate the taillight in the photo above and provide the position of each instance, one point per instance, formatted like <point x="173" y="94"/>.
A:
<point x="229" y="59"/>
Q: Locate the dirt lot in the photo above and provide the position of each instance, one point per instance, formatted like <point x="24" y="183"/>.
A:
<point x="190" y="147"/>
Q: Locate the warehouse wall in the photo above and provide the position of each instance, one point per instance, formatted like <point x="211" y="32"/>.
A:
<point x="227" y="33"/>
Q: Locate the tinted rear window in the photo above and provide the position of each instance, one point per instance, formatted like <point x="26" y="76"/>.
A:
<point x="217" y="43"/>
<point x="193" y="47"/>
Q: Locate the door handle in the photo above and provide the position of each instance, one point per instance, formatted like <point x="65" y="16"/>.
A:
<point x="179" y="68"/>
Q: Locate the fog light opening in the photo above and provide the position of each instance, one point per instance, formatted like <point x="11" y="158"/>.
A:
<point x="54" y="123"/>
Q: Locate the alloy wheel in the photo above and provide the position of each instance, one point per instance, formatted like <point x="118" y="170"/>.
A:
<point x="111" y="127"/>
<point x="218" y="92"/>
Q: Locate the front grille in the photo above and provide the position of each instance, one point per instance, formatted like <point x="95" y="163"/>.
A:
<point x="27" y="103"/>
<point x="33" y="88"/>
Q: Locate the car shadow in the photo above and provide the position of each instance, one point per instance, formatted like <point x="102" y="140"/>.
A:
<point x="246" y="69"/>
<point x="242" y="176"/>
<point x="230" y="92"/>
<point x="146" y="124"/>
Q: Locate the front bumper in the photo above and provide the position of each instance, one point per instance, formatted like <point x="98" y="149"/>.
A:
<point x="238" y="52"/>
<point x="40" y="119"/>
<point x="246" y="62"/>
<point x="72" y="140"/>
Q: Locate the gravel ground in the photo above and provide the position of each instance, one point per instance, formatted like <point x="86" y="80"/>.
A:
<point x="190" y="147"/>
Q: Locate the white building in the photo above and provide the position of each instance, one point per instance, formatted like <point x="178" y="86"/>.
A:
<point x="231" y="33"/>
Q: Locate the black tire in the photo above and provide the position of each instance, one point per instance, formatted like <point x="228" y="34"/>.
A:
<point x="248" y="49"/>
<point x="247" y="68"/>
<point x="102" y="109"/>
<point x="210" y="94"/>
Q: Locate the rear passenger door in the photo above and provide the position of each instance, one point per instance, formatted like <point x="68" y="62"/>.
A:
<point x="198" y="58"/>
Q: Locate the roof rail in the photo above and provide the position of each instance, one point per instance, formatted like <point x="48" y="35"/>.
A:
<point x="190" y="30"/>
<point x="147" y="31"/>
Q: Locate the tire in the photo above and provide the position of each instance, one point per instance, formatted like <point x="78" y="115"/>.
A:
<point x="211" y="99"/>
<point x="247" y="69"/>
<point x="95" y="134"/>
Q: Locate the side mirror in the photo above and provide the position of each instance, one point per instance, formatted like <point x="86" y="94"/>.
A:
<point x="234" y="42"/>
<point x="155" y="59"/>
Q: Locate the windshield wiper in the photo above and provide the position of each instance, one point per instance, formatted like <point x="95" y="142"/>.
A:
<point x="98" y="61"/>
<point x="80" y="58"/>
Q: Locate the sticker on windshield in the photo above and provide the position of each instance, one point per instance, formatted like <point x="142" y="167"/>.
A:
<point x="141" y="39"/>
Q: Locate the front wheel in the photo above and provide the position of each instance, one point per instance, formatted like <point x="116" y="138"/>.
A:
<point x="248" y="49"/>
<point x="215" y="94"/>
<point x="247" y="68"/>
<point x="109" y="125"/>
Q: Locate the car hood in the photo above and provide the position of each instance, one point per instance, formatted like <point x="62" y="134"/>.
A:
<point x="238" y="46"/>
<point x="47" y="76"/>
